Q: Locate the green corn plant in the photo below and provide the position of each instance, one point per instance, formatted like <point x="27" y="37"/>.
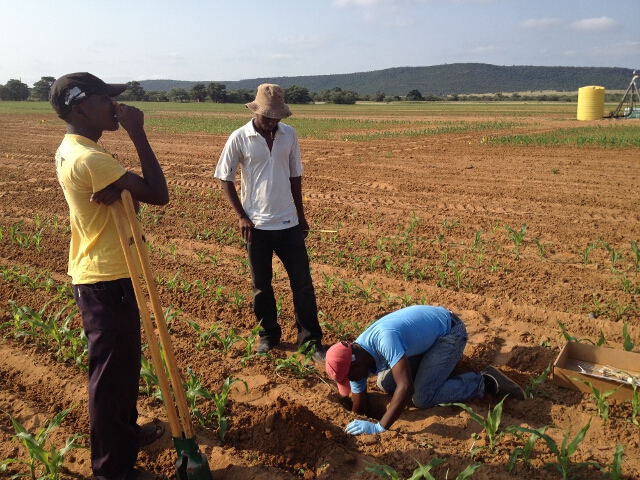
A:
<point x="44" y="461"/>
<point x="542" y="247"/>
<point x="614" y="470"/>
<point x="170" y="316"/>
<point x="201" y="289"/>
<point x="250" y="341"/>
<point x="516" y="237"/>
<point x="527" y="447"/>
<point x="614" y="255"/>
<point x="366" y="291"/>
<point x="423" y="471"/>
<point x="15" y="231"/>
<point x="173" y="282"/>
<point x="300" y="368"/>
<point x="458" y="274"/>
<point x="193" y="390"/>
<point x="533" y="388"/>
<point x="476" y="246"/>
<point x="389" y="266"/>
<point x="26" y="320"/>
<point x="227" y="341"/>
<point x="490" y="424"/>
<point x="220" y="400"/>
<point x="279" y="304"/>
<point x="328" y="282"/>
<point x="634" y="248"/>
<point x="204" y="335"/>
<point x="373" y="261"/>
<point x="565" y="451"/>
<point x="236" y="298"/>
<point x="347" y="286"/>
<point x="343" y="330"/>
<point x="570" y="338"/>
<point x="587" y="251"/>
<point x="406" y="269"/>
<point x="406" y="299"/>
<point x="602" y="405"/>
<point x="620" y="308"/>
<point x="449" y="224"/>
<point x="149" y="378"/>
<point x="217" y="294"/>
<point x="625" y="282"/>
<point x="599" y="308"/>
<point x="628" y="344"/>
<point x="442" y="278"/>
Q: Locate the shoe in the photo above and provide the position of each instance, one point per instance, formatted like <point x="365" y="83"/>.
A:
<point x="320" y="355"/>
<point x="149" y="433"/>
<point x="502" y="385"/>
<point x="265" y="345"/>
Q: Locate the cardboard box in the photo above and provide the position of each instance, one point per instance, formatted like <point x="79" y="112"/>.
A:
<point x="602" y="367"/>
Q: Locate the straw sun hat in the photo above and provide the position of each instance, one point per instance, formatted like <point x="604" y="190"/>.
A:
<point x="270" y="102"/>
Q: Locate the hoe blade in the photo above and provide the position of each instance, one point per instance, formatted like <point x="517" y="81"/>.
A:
<point x="192" y="464"/>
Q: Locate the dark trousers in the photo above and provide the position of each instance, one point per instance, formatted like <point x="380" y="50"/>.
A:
<point x="289" y="246"/>
<point x="111" y="322"/>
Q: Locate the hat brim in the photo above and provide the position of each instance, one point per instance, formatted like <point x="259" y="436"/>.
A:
<point x="344" y="387"/>
<point x="114" y="89"/>
<point x="278" y="113"/>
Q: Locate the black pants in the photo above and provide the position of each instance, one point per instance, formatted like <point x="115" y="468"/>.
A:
<point x="289" y="246"/>
<point x="111" y="322"/>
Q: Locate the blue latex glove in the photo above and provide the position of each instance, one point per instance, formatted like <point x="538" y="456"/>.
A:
<point x="358" y="427"/>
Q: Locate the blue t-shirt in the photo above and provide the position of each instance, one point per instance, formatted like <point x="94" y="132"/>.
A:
<point x="409" y="331"/>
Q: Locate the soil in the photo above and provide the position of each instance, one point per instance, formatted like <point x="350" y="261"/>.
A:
<point x="406" y="212"/>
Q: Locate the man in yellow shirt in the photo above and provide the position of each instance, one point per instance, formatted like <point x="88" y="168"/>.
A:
<point x="92" y="179"/>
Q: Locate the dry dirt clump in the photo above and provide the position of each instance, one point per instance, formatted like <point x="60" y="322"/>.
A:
<point x="285" y="435"/>
<point x="415" y="219"/>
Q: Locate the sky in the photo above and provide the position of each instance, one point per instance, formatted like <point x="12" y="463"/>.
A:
<point x="207" y="40"/>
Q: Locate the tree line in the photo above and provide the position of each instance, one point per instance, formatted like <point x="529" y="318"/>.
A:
<point x="217" y="92"/>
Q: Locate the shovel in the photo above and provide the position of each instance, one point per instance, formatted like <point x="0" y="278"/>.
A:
<point x="191" y="464"/>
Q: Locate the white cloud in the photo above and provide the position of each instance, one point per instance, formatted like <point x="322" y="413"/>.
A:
<point x="489" y="49"/>
<point x="541" y="23"/>
<point x="600" y="24"/>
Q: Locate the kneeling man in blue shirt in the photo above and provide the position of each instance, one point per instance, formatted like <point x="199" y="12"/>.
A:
<point x="414" y="351"/>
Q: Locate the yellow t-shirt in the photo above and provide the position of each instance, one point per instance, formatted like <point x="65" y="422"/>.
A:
<point x="83" y="167"/>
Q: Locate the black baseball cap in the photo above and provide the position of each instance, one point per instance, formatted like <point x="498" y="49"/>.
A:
<point x="75" y="87"/>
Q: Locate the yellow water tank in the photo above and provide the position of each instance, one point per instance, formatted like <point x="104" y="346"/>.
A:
<point x="590" y="103"/>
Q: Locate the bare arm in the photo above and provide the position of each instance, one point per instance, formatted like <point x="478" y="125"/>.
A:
<point x="360" y="403"/>
<point x="401" y="372"/>
<point x="296" y="191"/>
<point x="244" y="223"/>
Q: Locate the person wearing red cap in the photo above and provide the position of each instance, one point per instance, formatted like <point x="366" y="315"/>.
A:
<point x="92" y="179"/>
<point x="413" y="350"/>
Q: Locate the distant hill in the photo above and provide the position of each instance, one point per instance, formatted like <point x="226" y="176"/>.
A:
<point x="460" y="78"/>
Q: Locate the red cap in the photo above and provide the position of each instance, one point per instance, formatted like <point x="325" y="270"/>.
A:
<point x="338" y="363"/>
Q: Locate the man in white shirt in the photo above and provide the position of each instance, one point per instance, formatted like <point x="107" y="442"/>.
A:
<point x="270" y="214"/>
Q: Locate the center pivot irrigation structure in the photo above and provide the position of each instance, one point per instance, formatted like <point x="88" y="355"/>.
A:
<point x="630" y="100"/>
<point x="191" y="463"/>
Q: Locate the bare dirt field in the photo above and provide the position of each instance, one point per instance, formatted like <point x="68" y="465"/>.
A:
<point x="417" y="219"/>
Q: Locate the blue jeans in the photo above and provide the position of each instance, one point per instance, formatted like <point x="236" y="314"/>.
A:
<point x="431" y="372"/>
<point x="289" y="246"/>
<point x="111" y="321"/>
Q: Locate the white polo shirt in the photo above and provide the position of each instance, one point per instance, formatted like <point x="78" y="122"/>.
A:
<point x="265" y="188"/>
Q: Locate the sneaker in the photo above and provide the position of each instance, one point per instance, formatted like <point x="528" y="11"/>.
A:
<point x="320" y="355"/>
<point x="265" y="345"/>
<point x="503" y="384"/>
